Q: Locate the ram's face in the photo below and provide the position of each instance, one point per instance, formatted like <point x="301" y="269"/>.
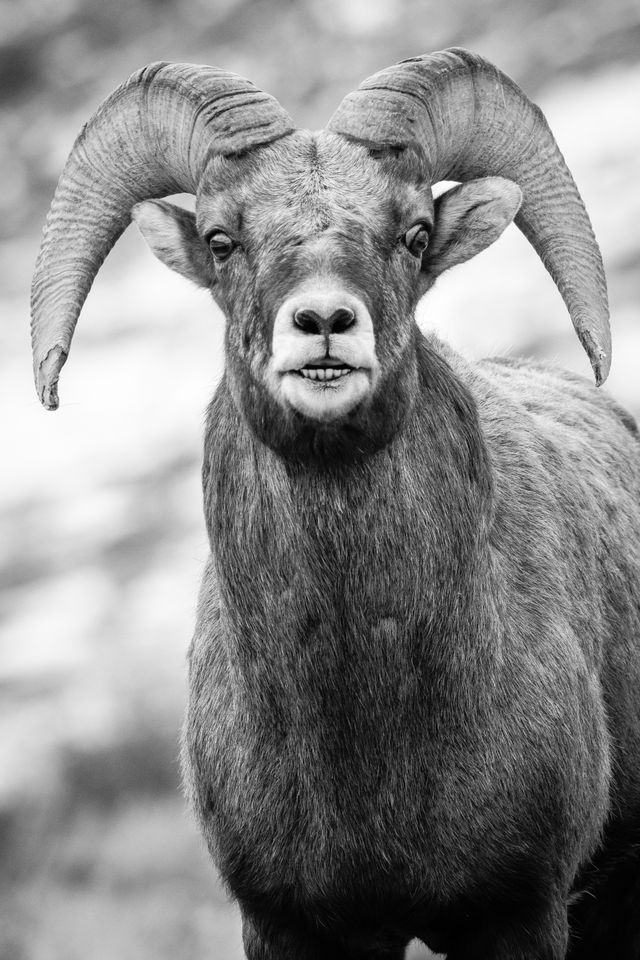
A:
<point x="310" y="265"/>
<point x="317" y="250"/>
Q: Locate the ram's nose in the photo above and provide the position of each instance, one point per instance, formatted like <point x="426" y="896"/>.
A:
<point x="324" y="321"/>
<point x="322" y="307"/>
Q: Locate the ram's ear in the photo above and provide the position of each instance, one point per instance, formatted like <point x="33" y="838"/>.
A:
<point x="468" y="218"/>
<point x="171" y="234"/>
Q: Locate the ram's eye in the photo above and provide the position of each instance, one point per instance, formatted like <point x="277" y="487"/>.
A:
<point x="220" y="244"/>
<point x="416" y="239"/>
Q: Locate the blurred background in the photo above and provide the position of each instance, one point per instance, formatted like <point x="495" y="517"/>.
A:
<point x="103" y="541"/>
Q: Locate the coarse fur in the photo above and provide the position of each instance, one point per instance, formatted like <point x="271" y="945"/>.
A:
<point x="414" y="676"/>
<point x="432" y="754"/>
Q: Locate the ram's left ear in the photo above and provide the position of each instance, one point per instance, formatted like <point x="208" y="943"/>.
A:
<point x="468" y="218"/>
<point x="171" y="234"/>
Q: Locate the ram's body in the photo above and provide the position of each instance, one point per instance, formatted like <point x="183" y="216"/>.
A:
<point x="409" y="676"/>
<point x="414" y="703"/>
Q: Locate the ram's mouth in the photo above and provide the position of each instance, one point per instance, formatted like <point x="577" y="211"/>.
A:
<point x="325" y="389"/>
<point x="325" y="371"/>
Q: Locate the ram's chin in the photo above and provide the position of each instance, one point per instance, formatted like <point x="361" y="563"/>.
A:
<point x="325" y="400"/>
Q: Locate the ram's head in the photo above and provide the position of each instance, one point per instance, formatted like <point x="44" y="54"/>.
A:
<point x="317" y="246"/>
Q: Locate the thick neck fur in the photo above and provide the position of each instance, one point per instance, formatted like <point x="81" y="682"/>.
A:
<point x="346" y="579"/>
<point x="324" y="448"/>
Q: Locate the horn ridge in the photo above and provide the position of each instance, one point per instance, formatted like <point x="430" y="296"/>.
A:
<point x="152" y="136"/>
<point x="465" y="118"/>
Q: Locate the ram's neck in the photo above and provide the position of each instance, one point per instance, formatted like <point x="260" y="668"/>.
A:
<point x="320" y="561"/>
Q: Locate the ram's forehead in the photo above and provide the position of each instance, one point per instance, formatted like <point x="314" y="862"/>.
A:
<point x="315" y="176"/>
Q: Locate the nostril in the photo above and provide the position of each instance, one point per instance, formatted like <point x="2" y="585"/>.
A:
<point x="308" y="321"/>
<point x="337" y="322"/>
<point x="340" y="320"/>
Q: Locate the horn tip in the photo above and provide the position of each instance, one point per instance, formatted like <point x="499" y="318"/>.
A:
<point x="595" y="336"/>
<point x="47" y="376"/>
<point x="601" y="366"/>
<point x="600" y="358"/>
<point x="49" y="397"/>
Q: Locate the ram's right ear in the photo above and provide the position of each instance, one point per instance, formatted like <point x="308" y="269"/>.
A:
<point x="469" y="218"/>
<point x="171" y="234"/>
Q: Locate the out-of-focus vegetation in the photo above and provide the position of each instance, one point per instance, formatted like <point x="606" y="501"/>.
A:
<point x="102" y="539"/>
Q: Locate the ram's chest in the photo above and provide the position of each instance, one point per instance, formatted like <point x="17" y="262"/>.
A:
<point x="328" y="772"/>
<point x="326" y="708"/>
<point x="332" y="706"/>
<point x="333" y="623"/>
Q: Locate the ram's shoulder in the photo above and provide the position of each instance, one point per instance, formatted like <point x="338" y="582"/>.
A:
<point x="546" y="425"/>
<point x="547" y="396"/>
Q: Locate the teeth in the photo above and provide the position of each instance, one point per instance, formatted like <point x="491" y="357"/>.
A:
<point x="324" y="373"/>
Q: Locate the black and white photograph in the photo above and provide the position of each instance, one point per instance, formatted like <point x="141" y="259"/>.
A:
<point x="320" y="487"/>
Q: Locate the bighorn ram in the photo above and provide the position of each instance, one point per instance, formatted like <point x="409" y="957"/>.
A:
<point x="415" y="677"/>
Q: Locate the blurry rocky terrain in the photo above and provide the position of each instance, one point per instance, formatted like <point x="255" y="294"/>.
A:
<point x="102" y="540"/>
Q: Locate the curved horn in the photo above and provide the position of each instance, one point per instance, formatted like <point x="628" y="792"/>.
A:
<point x="153" y="136"/>
<point x="467" y="119"/>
